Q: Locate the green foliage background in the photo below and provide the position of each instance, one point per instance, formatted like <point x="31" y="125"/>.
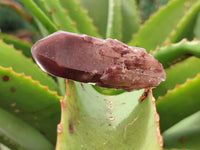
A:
<point x="38" y="111"/>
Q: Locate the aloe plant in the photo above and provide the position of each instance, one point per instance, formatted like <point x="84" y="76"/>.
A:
<point x="38" y="111"/>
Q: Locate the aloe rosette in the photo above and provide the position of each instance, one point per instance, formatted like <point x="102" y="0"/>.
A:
<point x="41" y="112"/>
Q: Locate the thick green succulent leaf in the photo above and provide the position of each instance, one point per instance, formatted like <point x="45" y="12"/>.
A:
<point x="60" y="16"/>
<point x="40" y="15"/>
<point x="130" y="20"/>
<point x="156" y="30"/>
<point x="40" y="4"/>
<point x="197" y="26"/>
<point x="179" y="103"/>
<point x="175" y="52"/>
<point x="114" y="20"/>
<point x="83" y="23"/>
<point x="98" y="11"/>
<point x="94" y="121"/>
<point x="8" y="143"/>
<point x="22" y="135"/>
<point x="9" y="57"/>
<point x="185" y="134"/>
<point x="17" y="43"/>
<point x="30" y="101"/>
<point x="185" y="27"/>
<point x="178" y="74"/>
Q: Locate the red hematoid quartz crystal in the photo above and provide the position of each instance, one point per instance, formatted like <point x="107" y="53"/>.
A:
<point x="107" y="63"/>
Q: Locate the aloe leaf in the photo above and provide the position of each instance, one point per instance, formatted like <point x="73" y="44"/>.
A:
<point x="179" y="103"/>
<point x="43" y="31"/>
<point x="178" y="74"/>
<point x="40" y="4"/>
<point x="79" y="15"/>
<point x="60" y="16"/>
<point x="175" y="52"/>
<point x="184" y="134"/>
<point x="19" y="133"/>
<point x="94" y="121"/>
<point x="7" y="142"/>
<point x="40" y="15"/>
<point x="17" y="8"/>
<point x="154" y="32"/>
<point x="130" y="20"/>
<point x="114" y="20"/>
<point x="186" y="26"/>
<point x="30" y="101"/>
<point x="9" y="57"/>
<point x="197" y="26"/>
<point x="98" y="16"/>
<point x="17" y="43"/>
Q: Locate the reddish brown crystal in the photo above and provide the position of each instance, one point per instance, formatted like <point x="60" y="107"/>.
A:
<point x="107" y="63"/>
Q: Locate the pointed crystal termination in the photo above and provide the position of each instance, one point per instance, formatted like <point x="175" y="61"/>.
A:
<point x="107" y="63"/>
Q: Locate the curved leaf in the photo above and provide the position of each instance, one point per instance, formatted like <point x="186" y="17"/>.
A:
<point x="196" y="28"/>
<point x="17" y="43"/>
<point x="98" y="11"/>
<point x="21" y="134"/>
<point x="175" y="52"/>
<point x="9" y="57"/>
<point x="185" y="134"/>
<point x="60" y="16"/>
<point x="78" y="14"/>
<point x="40" y="4"/>
<point x="178" y="74"/>
<point x="8" y="143"/>
<point x="179" y="103"/>
<point x="186" y="26"/>
<point x="40" y="15"/>
<point x="30" y="101"/>
<point x="114" y="22"/>
<point x="94" y="121"/>
<point x="130" y="20"/>
<point x="156" y="30"/>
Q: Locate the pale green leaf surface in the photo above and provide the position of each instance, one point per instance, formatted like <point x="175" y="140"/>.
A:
<point x="197" y="27"/>
<point x="94" y="121"/>
<point x="98" y="11"/>
<point x="130" y="19"/>
<point x="114" y="23"/>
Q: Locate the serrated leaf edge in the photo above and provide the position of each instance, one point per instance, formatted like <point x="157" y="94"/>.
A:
<point x="189" y="80"/>
<point x="46" y="88"/>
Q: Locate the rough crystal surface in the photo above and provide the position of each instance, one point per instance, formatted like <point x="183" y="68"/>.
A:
<point x="107" y="63"/>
